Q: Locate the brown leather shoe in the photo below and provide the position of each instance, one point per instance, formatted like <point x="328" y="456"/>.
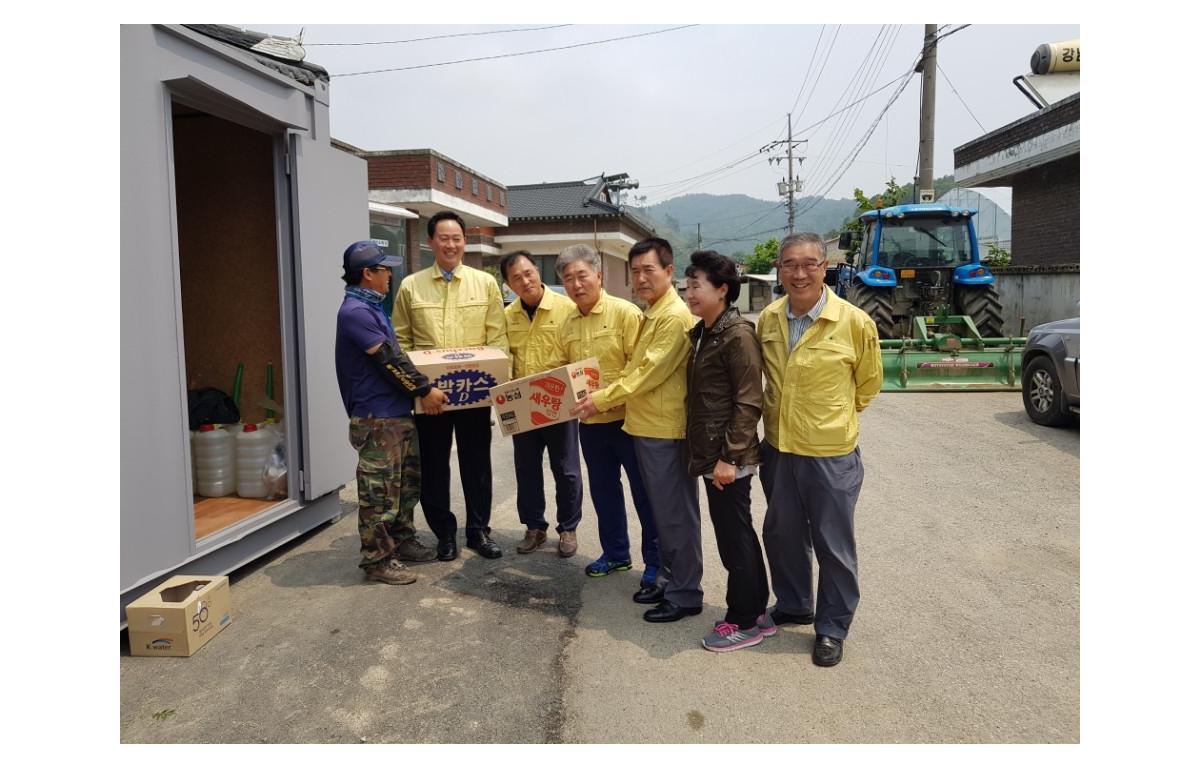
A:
<point x="390" y="572"/>
<point x="534" y="538"/>
<point x="567" y="545"/>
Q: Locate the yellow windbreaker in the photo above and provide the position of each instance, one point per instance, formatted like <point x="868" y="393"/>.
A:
<point x="536" y="346"/>
<point x="607" y="333"/>
<point x="431" y="313"/>
<point x="815" y="391"/>
<point x="653" y="385"/>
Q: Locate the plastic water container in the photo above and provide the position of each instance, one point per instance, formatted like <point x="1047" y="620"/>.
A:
<point x="214" y="461"/>
<point x="254" y="447"/>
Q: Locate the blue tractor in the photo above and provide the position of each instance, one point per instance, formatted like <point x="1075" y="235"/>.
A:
<point x="919" y="260"/>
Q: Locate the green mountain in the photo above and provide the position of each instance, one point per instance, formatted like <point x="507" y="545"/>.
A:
<point x="733" y="224"/>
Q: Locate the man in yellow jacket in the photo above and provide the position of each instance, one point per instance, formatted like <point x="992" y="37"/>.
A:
<point x="535" y="320"/>
<point x="653" y="388"/>
<point x="606" y="327"/>
<point x="823" y="367"/>
<point x="452" y="305"/>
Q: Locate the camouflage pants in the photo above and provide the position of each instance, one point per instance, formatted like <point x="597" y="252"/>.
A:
<point x="389" y="483"/>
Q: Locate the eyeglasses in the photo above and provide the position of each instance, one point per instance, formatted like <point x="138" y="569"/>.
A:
<point x="379" y="268"/>
<point x="796" y="266"/>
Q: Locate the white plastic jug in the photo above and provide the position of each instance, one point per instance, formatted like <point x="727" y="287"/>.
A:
<point x="254" y="447"/>
<point x="214" y="461"/>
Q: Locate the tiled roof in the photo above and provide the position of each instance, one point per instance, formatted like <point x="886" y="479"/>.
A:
<point x="567" y="199"/>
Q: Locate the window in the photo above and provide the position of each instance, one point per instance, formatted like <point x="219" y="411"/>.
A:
<point x="458" y="179"/>
<point x="474" y="186"/>
<point x="503" y="201"/>
<point x="441" y="171"/>
<point x="489" y="192"/>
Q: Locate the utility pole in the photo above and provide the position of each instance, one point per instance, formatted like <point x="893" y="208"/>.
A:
<point x="792" y="185"/>
<point x="697" y="235"/>
<point x="928" y="70"/>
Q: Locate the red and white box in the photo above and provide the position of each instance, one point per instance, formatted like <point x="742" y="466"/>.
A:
<point x="544" y="398"/>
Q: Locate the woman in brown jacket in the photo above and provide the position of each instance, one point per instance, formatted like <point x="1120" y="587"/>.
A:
<point x="724" y="404"/>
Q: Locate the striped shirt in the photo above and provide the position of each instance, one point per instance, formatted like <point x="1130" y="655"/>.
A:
<point x="798" y="325"/>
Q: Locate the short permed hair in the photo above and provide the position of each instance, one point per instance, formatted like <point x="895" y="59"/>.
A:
<point x="718" y="270"/>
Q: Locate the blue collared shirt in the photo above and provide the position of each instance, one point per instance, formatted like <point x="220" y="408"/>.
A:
<point x="798" y="325"/>
<point x="448" y="274"/>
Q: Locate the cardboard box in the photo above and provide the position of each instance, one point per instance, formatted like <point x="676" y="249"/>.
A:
<point x="465" y="374"/>
<point x="179" y="616"/>
<point x="544" y="398"/>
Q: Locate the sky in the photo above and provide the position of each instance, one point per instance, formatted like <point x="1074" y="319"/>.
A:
<point x="682" y="111"/>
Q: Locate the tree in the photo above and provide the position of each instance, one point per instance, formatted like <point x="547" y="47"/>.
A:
<point x="893" y="195"/>
<point x="997" y="256"/>
<point x="763" y="258"/>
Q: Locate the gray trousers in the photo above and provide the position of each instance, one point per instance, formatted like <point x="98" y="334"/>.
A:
<point x="676" y="505"/>
<point x="812" y="512"/>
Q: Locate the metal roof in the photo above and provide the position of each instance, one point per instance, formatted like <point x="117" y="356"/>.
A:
<point x="246" y="39"/>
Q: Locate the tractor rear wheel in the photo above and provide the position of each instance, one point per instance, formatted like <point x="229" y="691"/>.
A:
<point x="982" y="304"/>
<point x="876" y="302"/>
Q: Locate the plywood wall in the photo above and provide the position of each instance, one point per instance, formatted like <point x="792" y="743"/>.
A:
<point x="225" y="197"/>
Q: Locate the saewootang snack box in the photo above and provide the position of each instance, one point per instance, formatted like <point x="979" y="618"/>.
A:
<point x="544" y="398"/>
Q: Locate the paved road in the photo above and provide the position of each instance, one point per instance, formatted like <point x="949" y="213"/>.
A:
<point x="968" y="630"/>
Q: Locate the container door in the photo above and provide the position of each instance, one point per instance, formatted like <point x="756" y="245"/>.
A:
<point x="329" y="211"/>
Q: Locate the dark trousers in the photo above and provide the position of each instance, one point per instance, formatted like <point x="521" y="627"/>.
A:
<point x="562" y="443"/>
<point x="676" y="504"/>
<point x="812" y="512"/>
<point x="472" y="428"/>
<point x="606" y="448"/>
<point x="766" y="470"/>
<point x="746" y="592"/>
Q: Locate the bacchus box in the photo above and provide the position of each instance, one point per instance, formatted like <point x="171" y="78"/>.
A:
<point x="465" y="374"/>
<point x="544" y="398"/>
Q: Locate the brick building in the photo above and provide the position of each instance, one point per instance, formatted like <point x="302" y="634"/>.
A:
<point x="545" y="218"/>
<point x="407" y="186"/>
<point x="1038" y="156"/>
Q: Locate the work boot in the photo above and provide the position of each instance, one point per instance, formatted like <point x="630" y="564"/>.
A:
<point x="413" y="551"/>
<point x="567" y="544"/>
<point x="390" y="572"/>
<point x="534" y="538"/>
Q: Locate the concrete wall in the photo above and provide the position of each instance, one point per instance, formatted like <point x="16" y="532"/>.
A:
<point x="1040" y="294"/>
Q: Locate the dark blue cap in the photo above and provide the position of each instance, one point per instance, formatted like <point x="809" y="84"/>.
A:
<point x="366" y="253"/>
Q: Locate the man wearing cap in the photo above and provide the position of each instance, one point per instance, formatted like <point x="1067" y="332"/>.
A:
<point x="378" y="383"/>
<point x="449" y="305"/>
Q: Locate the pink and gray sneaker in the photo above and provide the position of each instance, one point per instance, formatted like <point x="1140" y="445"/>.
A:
<point x="766" y="625"/>
<point x="727" y="637"/>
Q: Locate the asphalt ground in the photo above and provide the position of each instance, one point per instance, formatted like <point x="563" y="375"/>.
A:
<point x="968" y="628"/>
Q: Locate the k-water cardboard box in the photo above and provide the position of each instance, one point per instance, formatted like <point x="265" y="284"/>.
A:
<point x="179" y="616"/>
<point x="465" y="374"/>
<point x="544" y="398"/>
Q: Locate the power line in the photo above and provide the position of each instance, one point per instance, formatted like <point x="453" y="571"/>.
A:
<point x="960" y="98"/>
<point x="853" y="88"/>
<point x="808" y="71"/>
<point x="443" y="37"/>
<point x="518" y="53"/>
<point x="816" y="82"/>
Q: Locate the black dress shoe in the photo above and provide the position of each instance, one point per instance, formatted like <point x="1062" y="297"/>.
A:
<point x="447" y="549"/>
<point x="780" y="617"/>
<point x="827" y="651"/>
<point x="484" y="545"/>
<point x="668" y="611"/>
<point x="649" y="594"/>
